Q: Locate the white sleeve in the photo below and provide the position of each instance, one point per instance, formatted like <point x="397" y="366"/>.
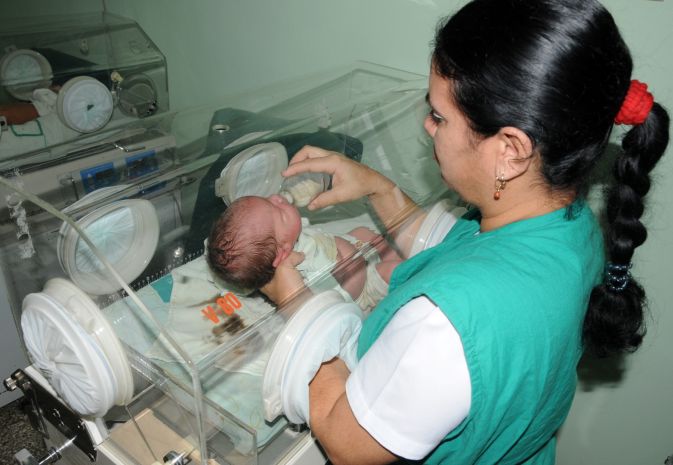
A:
<point x="412" y="387"/>
<point x="437" y="223"/>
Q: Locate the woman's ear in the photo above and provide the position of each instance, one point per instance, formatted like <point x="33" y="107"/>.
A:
<point x="516" y="153"/>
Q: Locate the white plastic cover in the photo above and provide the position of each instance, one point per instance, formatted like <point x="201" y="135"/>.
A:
<point x="87" y="314"/>
<point x="323" y="328"/>
<point x="254" y="171"/>
<point x="126" y="232"/>
<point x="84" y="104"/>
<point x="67" y="356"/>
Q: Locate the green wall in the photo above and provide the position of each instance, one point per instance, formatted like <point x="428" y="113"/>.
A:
<point x="216" y="47"/>
<point x="27" y="8"/>
<point x="219" y="47"/>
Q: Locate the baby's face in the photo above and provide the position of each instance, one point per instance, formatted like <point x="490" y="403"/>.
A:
<point x="277" y="214"/>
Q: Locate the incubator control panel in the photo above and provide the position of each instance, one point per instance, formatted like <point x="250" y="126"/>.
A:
<point x="122" y="161"/>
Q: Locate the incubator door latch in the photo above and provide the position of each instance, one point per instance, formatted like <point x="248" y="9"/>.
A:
<point x="43" y="406"/>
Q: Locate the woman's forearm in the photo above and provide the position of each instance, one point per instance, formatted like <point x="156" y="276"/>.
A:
<point x="401" y="216"/>
<point x="333" y="422"/>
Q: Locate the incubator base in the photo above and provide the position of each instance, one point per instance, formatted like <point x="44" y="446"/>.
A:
<point x="306" y="452"/>
<point x="114" y="447"/>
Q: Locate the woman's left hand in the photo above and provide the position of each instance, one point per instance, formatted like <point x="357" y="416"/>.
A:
<point x="287" y="282"/>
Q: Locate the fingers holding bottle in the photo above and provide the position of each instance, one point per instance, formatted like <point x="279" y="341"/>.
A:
<point x="350" y="179"/>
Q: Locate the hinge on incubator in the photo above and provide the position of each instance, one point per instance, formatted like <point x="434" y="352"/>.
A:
<point x="43" y="406"/>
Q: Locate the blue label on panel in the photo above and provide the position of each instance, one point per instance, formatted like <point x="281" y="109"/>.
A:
<point x="141" y="164"/>
<point x="99" y="176"/>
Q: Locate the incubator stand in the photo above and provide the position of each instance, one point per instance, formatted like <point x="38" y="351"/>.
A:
<point x="62" y="77"/>
<point x="140" y="355"/>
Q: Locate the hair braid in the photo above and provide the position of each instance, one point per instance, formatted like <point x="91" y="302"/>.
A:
<point x="614" y="320"/>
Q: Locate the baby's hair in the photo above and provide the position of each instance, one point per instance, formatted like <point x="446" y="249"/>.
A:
<point x="237" y="254"/>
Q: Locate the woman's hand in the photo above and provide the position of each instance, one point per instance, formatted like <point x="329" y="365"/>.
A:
<point x="287" y="282"/>
<point x="350" y="179"/>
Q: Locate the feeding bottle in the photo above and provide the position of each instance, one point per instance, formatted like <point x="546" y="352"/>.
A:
<point x="300" y="189"/>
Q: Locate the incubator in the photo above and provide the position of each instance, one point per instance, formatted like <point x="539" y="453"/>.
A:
<point x="62" y="77"/>
<point x="140" y="354"/>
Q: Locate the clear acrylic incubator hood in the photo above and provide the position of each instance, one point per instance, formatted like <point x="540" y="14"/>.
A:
<point x="129" y="333"/>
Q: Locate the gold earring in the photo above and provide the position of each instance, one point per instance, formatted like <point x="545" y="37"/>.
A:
<point x="499" y="186"/>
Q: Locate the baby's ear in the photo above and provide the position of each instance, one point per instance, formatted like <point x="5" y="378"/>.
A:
<point x="281" y="254"/>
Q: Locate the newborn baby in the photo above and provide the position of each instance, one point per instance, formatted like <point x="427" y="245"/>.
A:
<point x="255" y="234"/>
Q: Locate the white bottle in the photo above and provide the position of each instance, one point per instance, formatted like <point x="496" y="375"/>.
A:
<point x="302" y="188"/>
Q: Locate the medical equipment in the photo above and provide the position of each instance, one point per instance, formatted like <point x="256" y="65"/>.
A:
<point x="64" y="174"/>
<point x="75" y="74"/>
<point x="140" y="355"/>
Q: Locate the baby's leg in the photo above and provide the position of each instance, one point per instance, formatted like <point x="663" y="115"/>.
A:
<point x="385" y="269"/>
<point x="350" y="274"/>
<point x="386" y="253"/>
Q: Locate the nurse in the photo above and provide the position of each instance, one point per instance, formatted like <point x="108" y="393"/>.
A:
<point x="472" y="356"/>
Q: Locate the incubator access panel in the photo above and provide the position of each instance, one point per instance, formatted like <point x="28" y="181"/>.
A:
<point x="141" y="352"/>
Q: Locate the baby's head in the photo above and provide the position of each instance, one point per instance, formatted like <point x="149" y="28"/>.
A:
<point x="251" y="238"/>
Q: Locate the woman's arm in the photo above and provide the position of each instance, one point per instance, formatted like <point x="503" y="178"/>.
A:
<point x="334" y="425"/>
<point x="409" y="390"/>
<point x="352" y="180"/>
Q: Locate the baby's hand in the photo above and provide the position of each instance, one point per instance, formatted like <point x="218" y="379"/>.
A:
<point x="286" y="282"/>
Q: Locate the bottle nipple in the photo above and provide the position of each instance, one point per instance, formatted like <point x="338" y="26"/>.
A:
<point x="287" y="196"/>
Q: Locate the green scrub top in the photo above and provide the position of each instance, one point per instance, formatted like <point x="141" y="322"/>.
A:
<point x="517" y="297"/>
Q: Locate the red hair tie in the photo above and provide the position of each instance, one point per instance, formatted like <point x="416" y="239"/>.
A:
<point x="636" y="106"/>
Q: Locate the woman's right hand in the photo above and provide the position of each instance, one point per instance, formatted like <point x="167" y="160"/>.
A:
<point x="350" y="179"/>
